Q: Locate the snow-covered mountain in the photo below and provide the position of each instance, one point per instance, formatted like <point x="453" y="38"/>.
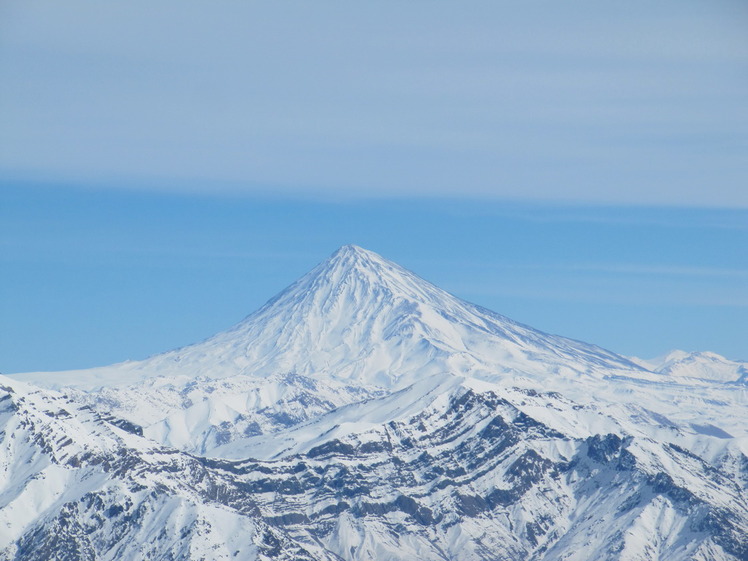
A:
<point x="78" y="486"/>
<point x="459" y="473"/>
<point x="361" y="318"/>
<point x="364" y="413"/>
<point x="702" y="365"/>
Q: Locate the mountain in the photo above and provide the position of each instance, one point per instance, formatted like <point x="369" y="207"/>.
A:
<point x="364" y="413"/>
<point x="702" y="365"/>
<point x="360" y="318"/>
<point x="79" y="486"/>
<point x="358" y="326"/>
<point x="458" y="474"/>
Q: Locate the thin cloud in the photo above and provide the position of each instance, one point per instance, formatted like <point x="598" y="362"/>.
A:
<point x="593" y="102"/>
<point x="633" y="269"/>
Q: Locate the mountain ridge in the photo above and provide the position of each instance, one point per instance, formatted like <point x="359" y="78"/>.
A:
<point x="466" y="477"/>
<point x="364" y="413"/>
<point x="698" y="365"/>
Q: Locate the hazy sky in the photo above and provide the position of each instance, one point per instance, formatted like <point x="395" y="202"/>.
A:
<point x="616" y="102"/>
<point x="167" y="166"/>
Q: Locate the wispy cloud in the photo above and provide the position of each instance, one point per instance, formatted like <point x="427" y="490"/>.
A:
<point x="485" y="292"/>
<point x="635" y="103"/>
<point x="634" y="269"/>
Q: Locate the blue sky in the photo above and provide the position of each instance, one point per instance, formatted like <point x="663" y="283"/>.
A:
<point x="165" y="167"/>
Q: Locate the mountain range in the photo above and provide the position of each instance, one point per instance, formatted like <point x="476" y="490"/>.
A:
<point x="364" y="413"/>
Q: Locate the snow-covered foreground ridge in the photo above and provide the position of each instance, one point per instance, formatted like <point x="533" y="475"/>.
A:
<point x="363" y="413"/>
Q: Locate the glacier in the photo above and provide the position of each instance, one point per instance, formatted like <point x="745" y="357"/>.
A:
<point x="364" y="413"/>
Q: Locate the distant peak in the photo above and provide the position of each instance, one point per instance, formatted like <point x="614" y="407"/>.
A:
<point x="676" y="354"/>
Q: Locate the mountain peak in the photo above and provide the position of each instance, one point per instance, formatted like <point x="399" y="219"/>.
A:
<point x="359" y="316"/>
<point x="361" y="273"/>
<point x="352" y="249"/>
<point x="355" y="257"/>
<point x="703" y="364"/>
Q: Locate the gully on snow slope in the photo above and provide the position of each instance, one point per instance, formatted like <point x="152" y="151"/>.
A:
<point x="364" y="413"/>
